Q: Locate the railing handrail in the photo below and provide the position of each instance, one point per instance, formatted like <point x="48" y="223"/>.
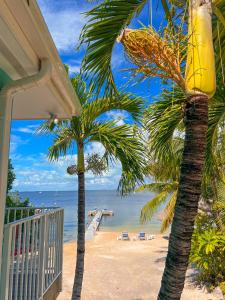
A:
<point x="32" y="207"/>
<point x="34" y="217"/>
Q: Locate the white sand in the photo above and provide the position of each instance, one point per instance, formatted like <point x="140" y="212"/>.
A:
<point x="123" y="270"/>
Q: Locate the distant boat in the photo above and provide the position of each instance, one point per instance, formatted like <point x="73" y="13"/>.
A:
<point x="39" y="192"/>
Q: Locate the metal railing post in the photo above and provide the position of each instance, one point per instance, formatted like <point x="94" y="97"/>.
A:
<point x="61" y="219"/>
<point x="42" y="249"/>
<point x="5" y="267"/>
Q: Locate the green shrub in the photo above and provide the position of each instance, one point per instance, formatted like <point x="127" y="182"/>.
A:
<point x="14" y="200"/>
<point x="208" y="254"/>
<point x="222" y="287"/>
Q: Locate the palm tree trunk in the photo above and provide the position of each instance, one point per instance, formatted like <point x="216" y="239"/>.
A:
<point x="77" y="286"/>
<point x="196" y="124"/>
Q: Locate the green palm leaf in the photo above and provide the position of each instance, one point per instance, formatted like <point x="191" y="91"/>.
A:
<point x="121" y="145"/>
<point x="62" y="143"/>
<point x="214" y="152"/>
<point x="152" y="206"/>
<point x="168" y="213"/>
<point x="162" y="119"/>
<point x="105" y="23"/>
<point x="127" y="102"/>
<point x="158" y="187"/>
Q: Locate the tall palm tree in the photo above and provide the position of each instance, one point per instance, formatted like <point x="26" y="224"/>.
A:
<point x="155" y="55"/>
<point x="119" y="142"/>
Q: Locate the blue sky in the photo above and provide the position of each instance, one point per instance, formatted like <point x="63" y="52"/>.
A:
<point x="29" y="151"/>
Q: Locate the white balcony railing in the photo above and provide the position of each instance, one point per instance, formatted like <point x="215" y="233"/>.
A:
<point x="32" y="252"/>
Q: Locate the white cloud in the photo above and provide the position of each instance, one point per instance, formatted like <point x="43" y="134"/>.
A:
<point x="118" y="116"/>
<point x="38" y="174"/>
<point x="118" y="58"/>
<point x="28" y="129"/>
<point x="74" y="66"/>
<point x="15" y="142"/>
<point x="95" y="147"/>
<point x="64" y="23"/>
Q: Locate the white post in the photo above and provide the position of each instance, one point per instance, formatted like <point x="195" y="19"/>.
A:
<point x="4" y="284"/>
<point x="6" y="103"/>
<point x="5" y="125"/>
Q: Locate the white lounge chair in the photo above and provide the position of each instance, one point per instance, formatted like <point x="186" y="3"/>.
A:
<point x="142" y="236"/>
<point x="150" y="236"/>
<point x="124" y="236"/>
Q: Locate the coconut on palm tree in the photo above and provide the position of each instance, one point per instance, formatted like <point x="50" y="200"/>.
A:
<point x="161" y="56"/>
<point x="119" y="142"/>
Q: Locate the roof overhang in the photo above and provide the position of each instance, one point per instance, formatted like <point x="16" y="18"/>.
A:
<point x="24" y="42"/>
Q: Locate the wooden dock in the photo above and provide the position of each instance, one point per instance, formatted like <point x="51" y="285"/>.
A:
<point x="105" y="212"/>
<point x="95" y="223"/>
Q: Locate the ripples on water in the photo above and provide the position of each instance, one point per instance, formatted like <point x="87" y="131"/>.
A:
<point x="126" y="209"/>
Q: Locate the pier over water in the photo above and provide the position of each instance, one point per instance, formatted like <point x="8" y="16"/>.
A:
<point x="95" y="223"/>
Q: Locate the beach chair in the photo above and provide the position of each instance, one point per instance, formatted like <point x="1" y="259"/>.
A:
<point x="124" y="236"/>
<point x="151" y="237"/>
<point x="141" y="236"/>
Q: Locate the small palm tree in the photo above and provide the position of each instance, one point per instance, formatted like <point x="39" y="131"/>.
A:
<point x="164" y="175"/>
<point x="165" y="192"/>
<point x="118" y="140"/>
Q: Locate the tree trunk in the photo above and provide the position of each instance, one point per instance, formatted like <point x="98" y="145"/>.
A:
<point x="196" y="124"/>
<point x="77" y="286"/>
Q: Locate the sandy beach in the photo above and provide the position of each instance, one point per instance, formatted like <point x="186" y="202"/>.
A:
<point x="123" y="270"/>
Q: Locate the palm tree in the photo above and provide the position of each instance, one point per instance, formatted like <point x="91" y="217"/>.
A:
<point x="166" y="192"/>
<point x="164" y="124"/>
<point x="118" y="140"/>
<point x="163" y="57"/>
<point x="164" y="175"/>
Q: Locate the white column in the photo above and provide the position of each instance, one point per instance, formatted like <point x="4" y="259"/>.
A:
<point x="5" y="126"/>
<point x="6" y="102"/>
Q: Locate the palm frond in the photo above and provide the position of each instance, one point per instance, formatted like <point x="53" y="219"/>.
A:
<point x="219" y="34"/>
<point x="214" y="151"/>
<point x="162" y="119"/>
<point x="121" y="145"/>
<point x="48" y="127"/>
<point x="81" y="89"/>
<point x="62" y="143"/>
<point x="168" y="213"/>
<point x="158" y="187"/>
<point x="134" y="105"/>
<point x="104" y="25"/>
<point x="152" y="206"/>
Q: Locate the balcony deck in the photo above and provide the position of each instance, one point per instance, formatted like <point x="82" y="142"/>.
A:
<point x="32" y="253"/>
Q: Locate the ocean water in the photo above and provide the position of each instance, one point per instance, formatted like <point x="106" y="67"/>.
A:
<point x="126" y="209"/>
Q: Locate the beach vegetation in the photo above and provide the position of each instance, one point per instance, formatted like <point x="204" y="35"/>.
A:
<point x="208" y="244"/>
<point x="13" y="199"/>
<point x="11" y="176"/>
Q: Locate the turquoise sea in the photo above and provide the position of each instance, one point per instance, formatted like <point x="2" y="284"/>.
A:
<point x="126" y="209"/>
